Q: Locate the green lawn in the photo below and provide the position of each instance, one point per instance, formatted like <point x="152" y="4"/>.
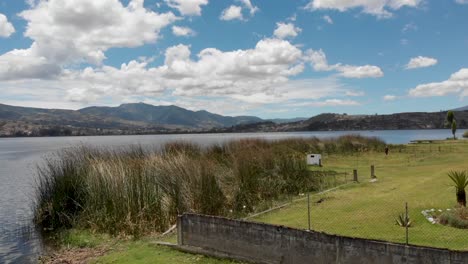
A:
<point x="416" y="174"/>
<point x="119" y="250"/>
<point x="143" y="252"/>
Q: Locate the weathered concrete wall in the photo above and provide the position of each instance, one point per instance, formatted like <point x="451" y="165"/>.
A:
<point x="263" y="243"/>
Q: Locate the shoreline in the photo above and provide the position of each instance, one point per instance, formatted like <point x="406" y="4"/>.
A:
<point x="241" y="132"/>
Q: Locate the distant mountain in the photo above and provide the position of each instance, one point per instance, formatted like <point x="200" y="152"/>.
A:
<point x="464" y="108"/>
<point x="143" y="118"/>
<point x="412" y="120"/>
<point x="167" y="115"/>
<point x="126" y="119"/>
<point x="342" y="122"/>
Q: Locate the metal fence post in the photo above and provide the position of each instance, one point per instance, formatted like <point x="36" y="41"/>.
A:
<point x="308" y="209"/>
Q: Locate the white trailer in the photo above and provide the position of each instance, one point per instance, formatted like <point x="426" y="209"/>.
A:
<point x="314" y="159"/>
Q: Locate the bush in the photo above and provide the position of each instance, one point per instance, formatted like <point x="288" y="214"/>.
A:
<point x="465" y="135"/>
<point x="457" y="218"/>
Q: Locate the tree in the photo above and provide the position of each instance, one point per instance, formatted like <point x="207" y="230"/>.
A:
<point x="460" y="181"/>
<point x="454" y="128"/>
<point x="450" y="117"/>
<point x="451" y="122"/>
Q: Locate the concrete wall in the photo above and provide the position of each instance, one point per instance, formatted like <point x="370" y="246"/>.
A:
<point x="263" y="243"/>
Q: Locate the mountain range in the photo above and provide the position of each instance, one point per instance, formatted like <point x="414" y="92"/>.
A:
<point x="344" y="122"/>
<point x="140" y="118"/>
<point x="464" y="108"/>
<point x="126" y="118"/>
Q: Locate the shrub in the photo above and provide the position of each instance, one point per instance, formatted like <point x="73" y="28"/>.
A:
<point x="465" y="135"/>
<point x="403" y="221"/>
<point x="457" y="218"/>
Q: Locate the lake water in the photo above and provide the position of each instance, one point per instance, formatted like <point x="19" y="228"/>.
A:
<point x="19" y="243"/>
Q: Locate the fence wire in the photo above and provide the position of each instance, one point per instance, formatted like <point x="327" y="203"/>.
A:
<point x="403" y="197"/>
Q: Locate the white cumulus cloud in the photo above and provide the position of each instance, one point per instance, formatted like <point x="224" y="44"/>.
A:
<point x="216" y="73"/>
<point x="90" y="84"/>
<point x="235" y="12"/>
<point x="456" y="84"/>
<point x="26" y="64"/>
<point x="66" y="32"/>
<point x="389" y="97"/>
<point x="335" y="102"/>
<point x="378" y="8"/>
<point x="188" y="7"/>
<point x="319" y="62"/>
<point x="182" y="31"/>
<point x="72" y="30"/>
<point x="231" y="13"/>
<point x="285" y="30"/>
<point x="366" y="71"/>
<point x="421" y="62"/>
<point x="6" y="28"/>
<point x="252" y="9"/>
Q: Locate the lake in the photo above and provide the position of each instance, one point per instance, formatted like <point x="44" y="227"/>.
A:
<point x="20" y="243"/>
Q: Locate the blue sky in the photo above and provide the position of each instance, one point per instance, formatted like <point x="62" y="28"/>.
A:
<point x="269" y="58"/>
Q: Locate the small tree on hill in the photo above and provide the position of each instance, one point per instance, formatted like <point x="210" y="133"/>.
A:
<point x="454" y="128"/>
<point x="450" y="117"/>
<point x="451" y="122"/>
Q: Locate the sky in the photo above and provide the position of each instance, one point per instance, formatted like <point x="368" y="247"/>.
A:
<point x="268" y="58"/>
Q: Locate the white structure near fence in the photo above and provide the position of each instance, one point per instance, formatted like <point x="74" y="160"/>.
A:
<point x="314" y="159"/>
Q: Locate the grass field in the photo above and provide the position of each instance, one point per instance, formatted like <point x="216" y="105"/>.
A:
<point x="416" y="174"/>
<point x="142" y="252"/>
<point x="83" y="246"/>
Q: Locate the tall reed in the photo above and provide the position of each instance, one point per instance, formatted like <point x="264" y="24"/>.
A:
<point x="137" y="191"/>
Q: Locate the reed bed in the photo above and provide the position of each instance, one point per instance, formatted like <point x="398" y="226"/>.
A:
<point x="136" y="191"/>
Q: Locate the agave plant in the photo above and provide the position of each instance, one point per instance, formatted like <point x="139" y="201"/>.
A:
<point x="460" y="181"/>
<point x="403" y="220"/>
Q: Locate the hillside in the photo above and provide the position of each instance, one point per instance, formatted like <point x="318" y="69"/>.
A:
<point x="343" y="122"/>
<point x="167" y="115"/>
<point x="125" y="119"/>
<point x="464" y="108"/>
<point x="143" y="118"/>
<point x="415" y="120"/>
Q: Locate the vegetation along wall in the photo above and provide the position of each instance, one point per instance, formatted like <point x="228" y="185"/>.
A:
<point x="263" y="243"/>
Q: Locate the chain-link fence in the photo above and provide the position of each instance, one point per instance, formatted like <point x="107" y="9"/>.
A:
<point x="404" y="197"/>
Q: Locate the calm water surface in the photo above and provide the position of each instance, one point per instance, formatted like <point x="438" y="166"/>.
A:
<point x="20" y="243"/>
